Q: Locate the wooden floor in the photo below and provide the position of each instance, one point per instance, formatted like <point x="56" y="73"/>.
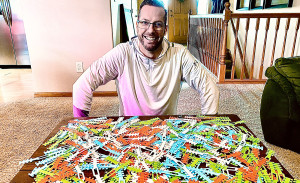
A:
<point x="15" y="84"/>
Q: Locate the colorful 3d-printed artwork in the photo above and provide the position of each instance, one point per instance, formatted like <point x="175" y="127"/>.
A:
<point x="191" y="149"/>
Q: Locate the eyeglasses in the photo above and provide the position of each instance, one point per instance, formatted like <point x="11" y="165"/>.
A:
<point x="145" y="25"/>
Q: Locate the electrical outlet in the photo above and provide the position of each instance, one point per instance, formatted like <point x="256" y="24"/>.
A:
<point x="79" y="67"/>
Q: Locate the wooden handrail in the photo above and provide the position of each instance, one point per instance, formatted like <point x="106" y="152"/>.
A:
<point x="265" y="15"/>
<point x="207" y="16"/>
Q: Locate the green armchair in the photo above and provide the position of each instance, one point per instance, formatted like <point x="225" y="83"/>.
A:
<point x="280" y="104"/>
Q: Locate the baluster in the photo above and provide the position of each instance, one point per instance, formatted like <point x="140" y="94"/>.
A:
<point x="201" y="31"/>
<point x="264" y="49"/>
<point x="199" y="43"/>
<point x="295" y="38"/>
<point x="235" y="44"/>
<point x="204" y="43"/>
<point x="254" y="48"/>
<point x="244" y="50"/>
<point x="275" y="39"/>
<point x="210" y="43"/>
<point x="238" y="43"/>
<point x="286" y="31"/>
<point x="219" y="39"/>
<point x="207" y="43"/>
<point x="214" y="43"/>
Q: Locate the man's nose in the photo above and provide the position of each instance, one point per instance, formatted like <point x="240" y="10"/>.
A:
<point x="151" y="28"/>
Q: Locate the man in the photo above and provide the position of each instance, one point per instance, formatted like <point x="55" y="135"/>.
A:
<point x="148" y="71"/>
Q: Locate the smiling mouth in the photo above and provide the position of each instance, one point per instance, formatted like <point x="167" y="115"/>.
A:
<point x="149" y="38"/>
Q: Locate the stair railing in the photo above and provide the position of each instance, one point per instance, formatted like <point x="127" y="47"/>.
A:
<point x="255" y="40"/>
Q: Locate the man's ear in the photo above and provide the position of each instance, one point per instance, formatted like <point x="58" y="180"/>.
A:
<point x="136" y="26"/>
<point x="166" y="29"/>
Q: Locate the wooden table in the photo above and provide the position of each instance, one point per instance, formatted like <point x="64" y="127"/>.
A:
<point x="23" y="177"/>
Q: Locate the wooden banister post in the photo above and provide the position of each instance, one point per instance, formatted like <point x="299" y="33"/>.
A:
<point x="222" y="68"/>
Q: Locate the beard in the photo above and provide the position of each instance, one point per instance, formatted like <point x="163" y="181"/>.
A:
<point x="150" y="46"/>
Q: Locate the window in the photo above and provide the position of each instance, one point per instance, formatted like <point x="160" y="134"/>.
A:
<point x="262" y="4"/>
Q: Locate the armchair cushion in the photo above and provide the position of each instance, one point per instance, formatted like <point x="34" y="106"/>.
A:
<point x="280" y="109"/>
<point x="290" y="69"/>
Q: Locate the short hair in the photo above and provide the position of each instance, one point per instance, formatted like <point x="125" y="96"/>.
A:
<point x="156" y="3"/>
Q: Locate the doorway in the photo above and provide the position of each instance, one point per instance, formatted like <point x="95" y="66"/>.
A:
<point x="178" y="19"/>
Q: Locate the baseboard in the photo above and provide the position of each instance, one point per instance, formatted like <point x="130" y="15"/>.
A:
<point x="69" y="94"/>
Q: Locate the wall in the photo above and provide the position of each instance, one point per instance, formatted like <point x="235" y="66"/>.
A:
<point x="204" y="7"/>
<point x="62" y="32"/>
<point x="270" y="40"/>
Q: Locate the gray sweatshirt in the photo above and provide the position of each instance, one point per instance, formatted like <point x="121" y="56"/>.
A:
<point x="147" y="86"/>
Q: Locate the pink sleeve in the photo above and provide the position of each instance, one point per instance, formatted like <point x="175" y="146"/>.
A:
<point x="79" y="112"/>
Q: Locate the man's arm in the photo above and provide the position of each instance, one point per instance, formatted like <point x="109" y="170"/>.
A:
<point x="198" y="77"/>
<point x="100" y="72"/>
<point x="83" y="91"/>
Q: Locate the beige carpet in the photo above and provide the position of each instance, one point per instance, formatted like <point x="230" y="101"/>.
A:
<point x="25" y="124"/>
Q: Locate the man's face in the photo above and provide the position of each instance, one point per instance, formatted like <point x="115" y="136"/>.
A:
<point x="150" y="38"/>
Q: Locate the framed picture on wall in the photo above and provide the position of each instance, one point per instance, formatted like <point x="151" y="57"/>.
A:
<point x="243" y="4"/>
<point x="278" y="3"/>
<point x="262" y="4"/>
